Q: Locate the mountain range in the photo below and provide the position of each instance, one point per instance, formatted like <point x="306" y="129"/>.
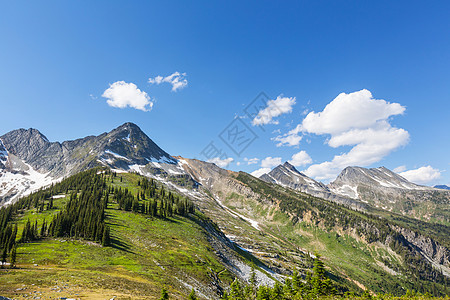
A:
<point x="366" y="222"/>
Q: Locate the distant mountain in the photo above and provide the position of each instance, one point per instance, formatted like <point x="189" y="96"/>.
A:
<point x="28" y="160"/>
<point x="382" y="188"/>
<point x="442" y="187"/>
<point x="351" y="177"/>
<point x="288" y="176"/>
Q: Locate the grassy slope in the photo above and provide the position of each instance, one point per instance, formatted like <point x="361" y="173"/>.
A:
<point x="147" y="255"/>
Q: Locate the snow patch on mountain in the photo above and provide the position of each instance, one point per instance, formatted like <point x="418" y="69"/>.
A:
<point x="116" y="155"/>
<point x="16" y="184"/>
<point x="346" y="191"/>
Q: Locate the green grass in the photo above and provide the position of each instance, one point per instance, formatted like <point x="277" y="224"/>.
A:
<point x="147" y="254"/>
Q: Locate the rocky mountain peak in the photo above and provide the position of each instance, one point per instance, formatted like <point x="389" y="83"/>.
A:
<point x="288" y="176"/>
<point x="129" y="141"/>
<point x="26" y="143"/>
<point x="381" y="187"/>
<point x="125" y="147"/>
<point x="375" y="177"/>
<point x="288" y="166"/>
<point x="128" y="127"/>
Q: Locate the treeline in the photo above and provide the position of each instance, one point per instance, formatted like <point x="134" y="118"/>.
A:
<point x="421" y="274"/>
<point x="152" y="200"/>
<point x="84" y="215"/>
<point x="88" y="194"/>
<point x="91" y="183"/>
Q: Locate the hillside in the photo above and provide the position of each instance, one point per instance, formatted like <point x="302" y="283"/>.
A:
<point x="280" y="225"/>
<point x="146" y="252"/>
<point x="178" y="249"/>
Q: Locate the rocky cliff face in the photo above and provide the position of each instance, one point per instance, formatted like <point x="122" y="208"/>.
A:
<point x="287" y="175"/>
<point x="435" y="253"/>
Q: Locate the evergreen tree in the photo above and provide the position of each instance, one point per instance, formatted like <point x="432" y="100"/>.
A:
<point x="319" y="282"/>
<point x="277" y="291"/>
<point x="4" y="256"/>
<point x="106" y="239"/>
<point x="253" y="279"/>
<point x="164" y="294"/>
<point x="263" y="293"/>
<point x="236" y="292"/>
<point x="192" y="295"/>
<point x="225" y="296"/>
<point x="12" y="262"/>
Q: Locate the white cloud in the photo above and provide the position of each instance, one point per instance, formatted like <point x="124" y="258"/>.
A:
<point x="238" y="163"/>
<point x="348" y="111"/>
<point x="422" y="175"/>
<point x="122" y="94"/>
<point x="292" y="138"/>
<point x="399" y="169"/>
<point x="275" y="108"/>
<point x="270" y="162"/>
<point x="260" y="172"/>
<point x="266" y="165"/>
<point x="221" y="162"/>
<point x="358" y="120"/>
<point x="300" y="159"/>
<point x="251" y="161"/>
<point x="177" y="80"/>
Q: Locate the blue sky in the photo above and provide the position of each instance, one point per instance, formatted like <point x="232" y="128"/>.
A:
<point x="57" y="59"/>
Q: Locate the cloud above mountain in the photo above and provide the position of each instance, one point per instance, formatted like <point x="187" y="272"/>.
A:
<point x="122" y="94"/>
<point x="300" y="159"/>
<point x="292" y="138"/>
<point x="177" y="80"/>
<point x="266" y="165"/>
<point x="221" y="162"/>
<point x="422" y="175"/>
<point x="270" y="162"/>
<point x="357" y="120"/>
<point x="274" y="108"/>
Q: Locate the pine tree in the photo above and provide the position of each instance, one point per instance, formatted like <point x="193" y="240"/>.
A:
<point x="296" y="284"/>
<point x="43" y="229"/>
<point x="12" y="262"/>
<point x="164" y="294"/>
<point x="263" y="293"/>
<point x="320" y="283"/>
<point x="4" y="255"/>
<point x="277" y="291"/>
<point x="192" y="295"/>
<point x="236" y="291"/>
<point x="106" y="239"/>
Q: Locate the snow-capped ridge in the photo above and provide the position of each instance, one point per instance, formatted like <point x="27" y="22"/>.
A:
<point x="288" y="176"/>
